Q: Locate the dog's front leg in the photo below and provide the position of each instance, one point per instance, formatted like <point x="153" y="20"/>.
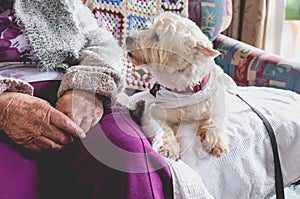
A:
<point x="171" y="146"/>
<point x="210" y="139"/>
<point x="162" y="137"/>
<point x="210" y="133"/>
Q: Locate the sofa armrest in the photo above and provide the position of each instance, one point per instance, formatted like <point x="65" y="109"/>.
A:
<point x="250" y="66"/>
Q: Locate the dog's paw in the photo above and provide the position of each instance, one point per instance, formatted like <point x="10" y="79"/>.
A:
<point x="171" y="150"/>
<point x="219" y="149"/>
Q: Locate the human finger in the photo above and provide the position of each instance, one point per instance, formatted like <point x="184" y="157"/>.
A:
<point x="78" y="120"/>
<point x="95" y="121"/>
<point x="33" y="147"/>
<point x="63" y="122"/>
<point x="86" y="124"/>
<point x="53" y="133"/>
<point x="45" y="143"/>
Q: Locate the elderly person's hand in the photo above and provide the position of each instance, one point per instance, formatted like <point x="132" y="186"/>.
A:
<point x="83" y="107"/>
<point x="34" y="123"/>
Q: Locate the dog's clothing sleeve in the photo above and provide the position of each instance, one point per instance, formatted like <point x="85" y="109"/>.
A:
<point x="15" y="85"/>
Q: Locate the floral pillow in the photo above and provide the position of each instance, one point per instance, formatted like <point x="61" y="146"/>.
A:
<point x="14" y="45"/>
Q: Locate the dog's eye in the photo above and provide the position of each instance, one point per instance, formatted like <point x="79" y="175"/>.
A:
<point x="129" y="40"/>
<point x="181" y="70"/>
<point x="129" y="54"/>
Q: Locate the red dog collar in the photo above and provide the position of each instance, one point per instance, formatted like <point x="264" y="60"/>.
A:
<point x="200" y="84"/>
<point x="195" y="88"/>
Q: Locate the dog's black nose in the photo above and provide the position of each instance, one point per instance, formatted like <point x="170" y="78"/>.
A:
<point x="129" y="40"/>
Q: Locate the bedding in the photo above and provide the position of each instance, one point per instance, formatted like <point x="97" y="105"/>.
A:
<point x="247" y="171"/>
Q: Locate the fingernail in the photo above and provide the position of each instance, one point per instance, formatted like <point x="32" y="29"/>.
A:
<point x="82" y="135"/>
<point x="66" y="140"/>
<point x="57" y="147"/>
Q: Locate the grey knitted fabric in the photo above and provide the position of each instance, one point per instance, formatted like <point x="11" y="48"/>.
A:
<point x="52" y="29"/>
<point x="64" y="35"/>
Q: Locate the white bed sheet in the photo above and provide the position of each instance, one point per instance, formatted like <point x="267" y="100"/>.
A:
<point x="247" y="171"/>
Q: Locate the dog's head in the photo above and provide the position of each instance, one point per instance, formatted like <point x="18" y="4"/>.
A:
<point x="174" y="50"/>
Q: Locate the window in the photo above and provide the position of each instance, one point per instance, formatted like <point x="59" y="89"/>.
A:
<point x="283" y="29"/>
<point x="290" y="41"/>
<point x="292" y="10"/>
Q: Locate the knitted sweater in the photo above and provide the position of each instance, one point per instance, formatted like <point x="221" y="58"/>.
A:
<point x="65" y="37"/>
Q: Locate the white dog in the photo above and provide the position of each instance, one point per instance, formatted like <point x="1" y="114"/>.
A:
<point x="188" y="89"/>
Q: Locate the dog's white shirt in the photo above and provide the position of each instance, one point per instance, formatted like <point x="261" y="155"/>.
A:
<point x="169" y="99"/>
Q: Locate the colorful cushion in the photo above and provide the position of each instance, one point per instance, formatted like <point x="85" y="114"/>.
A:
<point x="250" y="66"/>
<point x="212" y="16"/>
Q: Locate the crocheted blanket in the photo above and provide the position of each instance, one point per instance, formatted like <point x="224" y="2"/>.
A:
<point x="121" y="17"/>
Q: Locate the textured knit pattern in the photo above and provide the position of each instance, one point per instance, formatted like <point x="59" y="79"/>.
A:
<point x="59" y="31"/>
<point x="121" y="17"/>
<point x="61" y="38"/>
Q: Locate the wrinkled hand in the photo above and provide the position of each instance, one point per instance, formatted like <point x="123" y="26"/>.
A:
<point x="84" y="108"/>
<point x="34" y="123"/>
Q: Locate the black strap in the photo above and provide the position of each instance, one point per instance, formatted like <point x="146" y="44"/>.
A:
<point x="278" y="174"/>
<point x="154" y="89"/>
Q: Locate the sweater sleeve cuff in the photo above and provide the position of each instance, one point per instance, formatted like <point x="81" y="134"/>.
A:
<point x="15" y="85"/>
<point x="102" y="81"/>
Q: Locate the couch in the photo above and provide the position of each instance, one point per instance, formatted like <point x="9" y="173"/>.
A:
<point x="247" y="65"/>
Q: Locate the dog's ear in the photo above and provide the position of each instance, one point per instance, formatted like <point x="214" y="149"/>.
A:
<point x="206" y="49"/>
<point x="201" y="47"/>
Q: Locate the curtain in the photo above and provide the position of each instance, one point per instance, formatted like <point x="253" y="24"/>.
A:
<point x="249" y="21"/>
<point x="283" y="36"/>
<point x="275" y="26"/>
<point x="290" y="40"/>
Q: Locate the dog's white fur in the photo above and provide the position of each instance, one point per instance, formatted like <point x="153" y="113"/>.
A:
<point x="179" y="55"/>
